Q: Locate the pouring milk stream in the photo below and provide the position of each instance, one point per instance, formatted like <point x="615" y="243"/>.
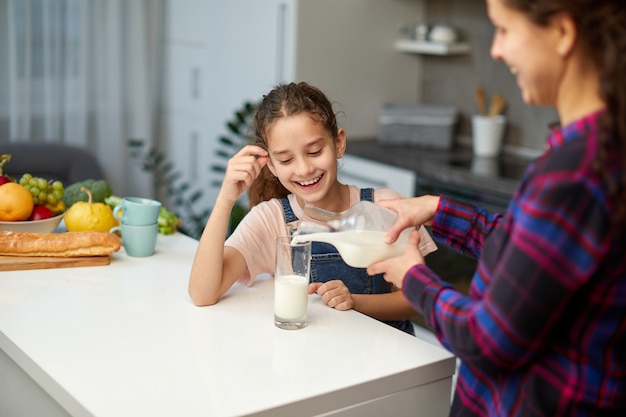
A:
<point x="358" y="233"/>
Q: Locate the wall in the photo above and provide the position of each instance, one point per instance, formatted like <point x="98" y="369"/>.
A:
<point x="452" y="79"/>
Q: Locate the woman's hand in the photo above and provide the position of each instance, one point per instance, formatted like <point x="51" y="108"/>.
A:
<point x="394" y="269"/>
<point x="334" y="294"/>
<point x="412" y="212"/>
<point x="242" y="170"/>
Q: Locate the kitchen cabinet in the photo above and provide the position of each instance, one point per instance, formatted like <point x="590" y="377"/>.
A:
<point x="218" y="54"/>
<point x="365" y="173"/>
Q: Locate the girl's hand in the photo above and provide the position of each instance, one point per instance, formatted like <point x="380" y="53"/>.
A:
<point x="412" y="212"/>
<point x="243" y="168"/>
<point x="334" y="294"/>
<point x="394" y="269"/>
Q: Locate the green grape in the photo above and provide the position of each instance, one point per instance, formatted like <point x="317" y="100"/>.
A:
<point x="43" y="191"/>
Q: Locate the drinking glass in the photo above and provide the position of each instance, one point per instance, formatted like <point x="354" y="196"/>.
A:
<point x="291" y="283"/>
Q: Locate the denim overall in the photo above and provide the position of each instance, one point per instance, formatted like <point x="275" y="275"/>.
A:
<point x="327" y="265"/>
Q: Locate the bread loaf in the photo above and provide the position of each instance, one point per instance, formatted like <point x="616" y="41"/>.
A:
<point x="65" y="245"/>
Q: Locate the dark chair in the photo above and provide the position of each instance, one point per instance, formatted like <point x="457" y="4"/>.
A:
<point x="51" y="161"/>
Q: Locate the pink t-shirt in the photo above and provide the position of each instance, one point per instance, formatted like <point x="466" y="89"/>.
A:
<point x="255" y="236"/>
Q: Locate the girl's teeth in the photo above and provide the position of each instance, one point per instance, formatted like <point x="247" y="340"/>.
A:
<point x="313" y="181"/>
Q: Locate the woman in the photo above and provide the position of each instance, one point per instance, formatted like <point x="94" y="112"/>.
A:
<point x="543" y="330"/>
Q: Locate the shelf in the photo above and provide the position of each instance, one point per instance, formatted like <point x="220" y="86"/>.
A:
<point x="432" y="48"/>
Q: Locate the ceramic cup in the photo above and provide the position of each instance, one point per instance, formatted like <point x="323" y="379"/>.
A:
<point x="487" y="134"/>
<point x="138" y="241"/>
<point x="137" y="211"/>
<point x="291" y="283"/>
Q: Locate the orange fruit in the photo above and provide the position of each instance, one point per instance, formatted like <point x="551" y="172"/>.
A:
<point x="16" y="203"/>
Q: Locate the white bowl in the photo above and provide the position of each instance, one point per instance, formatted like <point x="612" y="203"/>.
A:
<point x="35" y="226"/>
<point x="442" y="34"/>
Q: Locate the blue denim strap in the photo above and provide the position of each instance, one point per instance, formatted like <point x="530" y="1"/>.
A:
<point x="367" y="194"/>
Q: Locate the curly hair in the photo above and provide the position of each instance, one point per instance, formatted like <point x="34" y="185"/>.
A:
<point x="283" y="101"/>
<point x="601" y="28"/>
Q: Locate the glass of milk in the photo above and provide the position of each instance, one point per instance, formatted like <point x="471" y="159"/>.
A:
<point x="291" y="283"/>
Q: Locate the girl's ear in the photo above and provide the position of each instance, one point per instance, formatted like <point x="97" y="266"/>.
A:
<point x="270" y="166"/>
<point x="340" y="143"/>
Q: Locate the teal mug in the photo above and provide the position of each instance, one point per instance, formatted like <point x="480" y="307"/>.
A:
<point x="138" y="241"/>
<point x="137" y="211"/>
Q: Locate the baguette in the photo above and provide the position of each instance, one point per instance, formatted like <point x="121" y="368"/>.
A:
<point x="62" y="245"/>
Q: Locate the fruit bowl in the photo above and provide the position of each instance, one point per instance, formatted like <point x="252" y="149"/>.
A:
<point x="34" y="226"/>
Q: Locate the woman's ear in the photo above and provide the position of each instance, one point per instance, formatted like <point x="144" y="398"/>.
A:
<point x="566" y="32"/>
<point x="340" y="143"/>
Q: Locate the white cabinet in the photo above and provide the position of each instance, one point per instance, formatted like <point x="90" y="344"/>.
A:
<point x="219" y="54"/>
<point x="366" y="173"/>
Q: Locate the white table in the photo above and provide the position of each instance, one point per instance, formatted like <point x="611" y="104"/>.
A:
<point x="125" y="340"/>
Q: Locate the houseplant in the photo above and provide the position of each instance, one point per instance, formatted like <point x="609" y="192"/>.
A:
<point x="183" y="196"/>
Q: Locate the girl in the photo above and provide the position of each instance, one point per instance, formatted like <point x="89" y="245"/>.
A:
<point x="293" y="161"/>
<point x="543" y="331"/>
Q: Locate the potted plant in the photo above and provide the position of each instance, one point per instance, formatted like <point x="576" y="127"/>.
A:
<point x="183" y="196"/>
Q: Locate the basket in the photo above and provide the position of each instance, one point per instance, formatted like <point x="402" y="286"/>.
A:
<point x="422" y="125"/>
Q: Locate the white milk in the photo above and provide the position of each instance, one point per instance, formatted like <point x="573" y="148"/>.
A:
<point x="290" y="296"/>
<point x="360" y="248"/>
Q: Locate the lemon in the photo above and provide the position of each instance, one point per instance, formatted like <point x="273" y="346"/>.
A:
<point x="85" y="216"/>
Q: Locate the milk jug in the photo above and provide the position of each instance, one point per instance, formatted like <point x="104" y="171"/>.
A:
<point x="358" y="233"/>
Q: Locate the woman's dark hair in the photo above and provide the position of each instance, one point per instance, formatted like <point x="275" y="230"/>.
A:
<point x="283" y="101"/>
<point x="601" y="31"/>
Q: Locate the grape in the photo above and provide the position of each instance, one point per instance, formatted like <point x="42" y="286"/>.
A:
<point x="43" y="191"/>
<point x="25" y="179"/>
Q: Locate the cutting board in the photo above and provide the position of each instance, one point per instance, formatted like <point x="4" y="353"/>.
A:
<point x="20" y="263"/>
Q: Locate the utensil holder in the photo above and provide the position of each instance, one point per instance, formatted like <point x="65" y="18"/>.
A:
<point x="487" y="135"/>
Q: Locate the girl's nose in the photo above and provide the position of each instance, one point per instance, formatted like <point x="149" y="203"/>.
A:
<point x="303" y="167"/>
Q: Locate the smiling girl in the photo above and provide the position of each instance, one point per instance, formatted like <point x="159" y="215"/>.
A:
<point x="293" y="161"/>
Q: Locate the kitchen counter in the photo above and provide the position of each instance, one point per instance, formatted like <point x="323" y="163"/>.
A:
<point x="452" y="171"/>
<point x="125" y="340"/>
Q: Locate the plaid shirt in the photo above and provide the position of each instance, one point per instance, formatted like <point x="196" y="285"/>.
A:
<point x="543" y="329"/>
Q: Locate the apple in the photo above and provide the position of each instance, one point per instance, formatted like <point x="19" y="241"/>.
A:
<point x="4" y="179"/>
<point x="40" y="212"/>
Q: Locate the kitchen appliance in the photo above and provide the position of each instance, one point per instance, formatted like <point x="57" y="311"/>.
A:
<point x="424" y="125"/>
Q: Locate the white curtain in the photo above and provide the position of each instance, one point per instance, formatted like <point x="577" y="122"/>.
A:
<point x="84" y="73"/>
